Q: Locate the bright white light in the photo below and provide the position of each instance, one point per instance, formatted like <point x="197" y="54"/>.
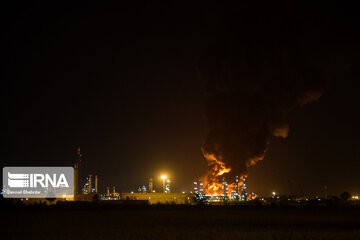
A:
<point x="163" y="177"/>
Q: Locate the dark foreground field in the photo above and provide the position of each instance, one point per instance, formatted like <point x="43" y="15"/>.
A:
<point x="181" y="223"/>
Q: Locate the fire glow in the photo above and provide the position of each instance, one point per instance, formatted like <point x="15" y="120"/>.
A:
<point x="213" y="181"/>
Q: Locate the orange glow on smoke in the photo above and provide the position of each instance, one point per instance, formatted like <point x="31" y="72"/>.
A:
<point x="213" y="184"/>
<point x="218" y="166"/>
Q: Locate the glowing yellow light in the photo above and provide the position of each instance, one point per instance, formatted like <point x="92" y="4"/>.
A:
<point x="163" y="177"/>
<point x="68" y="197"/>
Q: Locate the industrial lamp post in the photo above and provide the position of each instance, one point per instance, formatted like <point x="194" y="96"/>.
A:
<point x="164" y="177"/>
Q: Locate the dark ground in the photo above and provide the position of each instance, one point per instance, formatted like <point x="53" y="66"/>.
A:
<point x="173" y="222"/>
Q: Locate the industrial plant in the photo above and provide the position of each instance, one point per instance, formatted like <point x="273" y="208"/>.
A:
<point x="87" y="190"/>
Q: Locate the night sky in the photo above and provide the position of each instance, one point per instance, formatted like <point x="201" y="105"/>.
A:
<point x="127" y="84"/>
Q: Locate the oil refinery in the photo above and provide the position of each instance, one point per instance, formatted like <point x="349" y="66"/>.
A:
<point x="87" y="190"/>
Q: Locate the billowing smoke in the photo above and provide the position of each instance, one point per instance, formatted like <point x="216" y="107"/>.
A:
<point x="253" y="82"/>
<point x="243" y="114"/>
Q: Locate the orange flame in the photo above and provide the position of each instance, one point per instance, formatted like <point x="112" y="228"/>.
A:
<point x="218" y="166"/>
<point x="252" y="197"/>
<point x="213" y="184"/>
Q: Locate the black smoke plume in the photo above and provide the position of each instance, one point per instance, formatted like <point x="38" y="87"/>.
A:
<point x="261" y="68"/>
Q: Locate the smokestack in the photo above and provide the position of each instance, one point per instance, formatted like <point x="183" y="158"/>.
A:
<point x="151" y="185"/>
<point x="76" y="171"/>
<point x="78" y="154"/>
<point x="114" y="192"/>
<point x="76" y="179"/>
<point x="96" y="184"/>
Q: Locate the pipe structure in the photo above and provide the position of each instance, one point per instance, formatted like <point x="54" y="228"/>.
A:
<point x="151" y="185"/>
<point x="90" y="184"/>
<point x="96" y="184"/>
<point x="163" y="177"/>
<point x="76" y="179"/>
<point x="76" y="171"/>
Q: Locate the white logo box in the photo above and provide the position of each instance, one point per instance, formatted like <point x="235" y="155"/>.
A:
<point x="38" y="182"/>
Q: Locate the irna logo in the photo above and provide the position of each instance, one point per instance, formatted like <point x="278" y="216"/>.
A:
<point x="20" y="180"/>
<point x="38" y="182"/>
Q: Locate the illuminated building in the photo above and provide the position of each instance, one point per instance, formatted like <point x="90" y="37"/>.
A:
<point x="235" y="194"/>
<point x="167" y="186"/>
<point x="196" y="190"/>
<point x="225" y="190"/>
<point x="88" y="187"/>
<point x="199" y="190"/>
<point x="243" y="191"/>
